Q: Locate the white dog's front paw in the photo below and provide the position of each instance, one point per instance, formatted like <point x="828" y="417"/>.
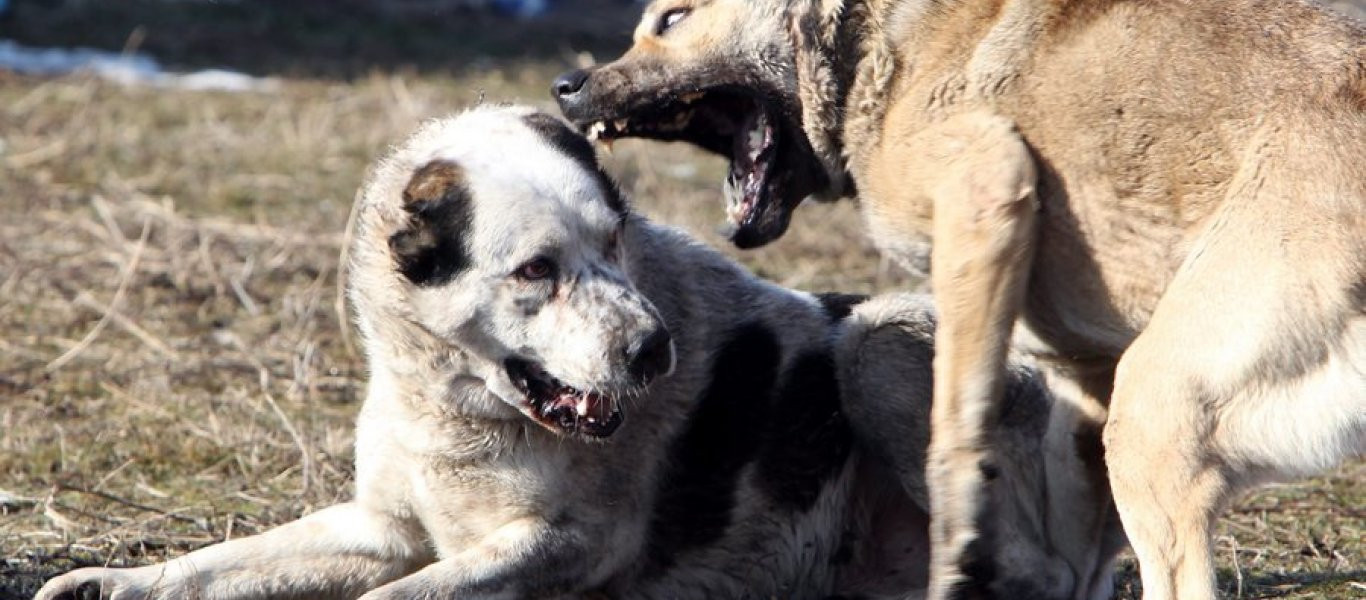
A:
<point x="94" y="583"/>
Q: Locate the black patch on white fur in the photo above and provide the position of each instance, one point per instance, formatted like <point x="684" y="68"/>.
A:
<point x="808" y="439"/>
<point x="978" y="569"/>
<point x="580" y="150"/>
<point x="431" y="250"/>
<point x="529" y="306"/>
<point x="983" y="579"/>
<point x="721" y="436"/>
<point x="838" y="306"/>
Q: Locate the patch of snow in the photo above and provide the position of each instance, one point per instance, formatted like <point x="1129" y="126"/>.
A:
<point x="129" y="68"/>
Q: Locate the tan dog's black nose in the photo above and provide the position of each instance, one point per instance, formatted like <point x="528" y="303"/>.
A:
<point x="652" y="357"/>
<point x="569" y="83"/>
<point x="567" y="89"/>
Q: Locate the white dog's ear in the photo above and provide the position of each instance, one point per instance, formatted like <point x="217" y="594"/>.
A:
<point x="430" y="249"/>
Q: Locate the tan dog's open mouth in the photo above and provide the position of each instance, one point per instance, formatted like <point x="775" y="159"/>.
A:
<point x="561" y="407"/>
<point x="768" y="174"/>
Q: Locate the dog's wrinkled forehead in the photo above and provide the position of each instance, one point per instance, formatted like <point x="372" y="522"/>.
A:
<point x="484" y="181"/>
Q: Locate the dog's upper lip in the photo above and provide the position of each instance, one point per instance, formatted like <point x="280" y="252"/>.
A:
<point x="641" y="115"/>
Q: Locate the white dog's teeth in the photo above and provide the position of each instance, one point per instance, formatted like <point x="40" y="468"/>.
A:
<point x="620" y="125"/>
<point x="582" y="407"/>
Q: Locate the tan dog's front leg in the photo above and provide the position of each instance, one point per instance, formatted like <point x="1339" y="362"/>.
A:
<point x="984" y="209"/>
<point x="979" y="176"/>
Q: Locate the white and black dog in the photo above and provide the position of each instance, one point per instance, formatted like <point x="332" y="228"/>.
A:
<point x="569" y="401"/>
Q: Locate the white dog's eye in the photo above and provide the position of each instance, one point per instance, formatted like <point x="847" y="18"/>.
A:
<point x="671" y="18"/>
<point x="536" y="269"/>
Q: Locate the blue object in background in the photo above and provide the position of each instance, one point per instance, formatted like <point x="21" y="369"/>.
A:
<point x="525" y="9"/>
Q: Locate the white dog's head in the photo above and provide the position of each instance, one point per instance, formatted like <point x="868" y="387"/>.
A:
<point x="500" y="236"/>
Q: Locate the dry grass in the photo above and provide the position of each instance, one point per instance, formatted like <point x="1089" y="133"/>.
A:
<point x="173" y="371"/>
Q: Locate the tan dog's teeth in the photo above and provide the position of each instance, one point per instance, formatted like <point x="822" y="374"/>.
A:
<point x="619" y="125"/>
<point x="595" y="130"/>
<point x="690" y="97"/>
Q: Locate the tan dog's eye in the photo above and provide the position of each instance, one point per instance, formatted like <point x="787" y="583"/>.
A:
<point x="671" y="18"/>
<point x="536" y="269"/>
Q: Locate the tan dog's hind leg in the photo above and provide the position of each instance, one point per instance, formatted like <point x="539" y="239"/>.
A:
<point x="980" y="177"/>
<point x="1253" y="365"/>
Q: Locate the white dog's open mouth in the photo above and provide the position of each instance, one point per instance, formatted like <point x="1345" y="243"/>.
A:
<point x="560" y="407"/>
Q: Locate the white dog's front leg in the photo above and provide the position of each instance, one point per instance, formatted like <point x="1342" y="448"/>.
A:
<point x="337" y="552"/>
<point x="527" y="558"/>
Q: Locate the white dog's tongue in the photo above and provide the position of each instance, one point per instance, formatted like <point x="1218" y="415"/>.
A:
<point x="595" y="408"/>
<point x="586" y="404"/>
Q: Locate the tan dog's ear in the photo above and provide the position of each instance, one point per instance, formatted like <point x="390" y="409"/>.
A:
<point x="430" y="249"/>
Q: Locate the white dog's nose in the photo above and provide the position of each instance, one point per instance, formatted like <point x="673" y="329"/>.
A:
<point x="652" y="357"/>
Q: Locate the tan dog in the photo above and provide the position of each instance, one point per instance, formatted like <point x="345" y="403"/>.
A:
<point x="1164" y="200"/>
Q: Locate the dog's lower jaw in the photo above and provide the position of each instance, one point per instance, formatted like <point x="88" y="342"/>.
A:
<point x="754" y="220"/>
